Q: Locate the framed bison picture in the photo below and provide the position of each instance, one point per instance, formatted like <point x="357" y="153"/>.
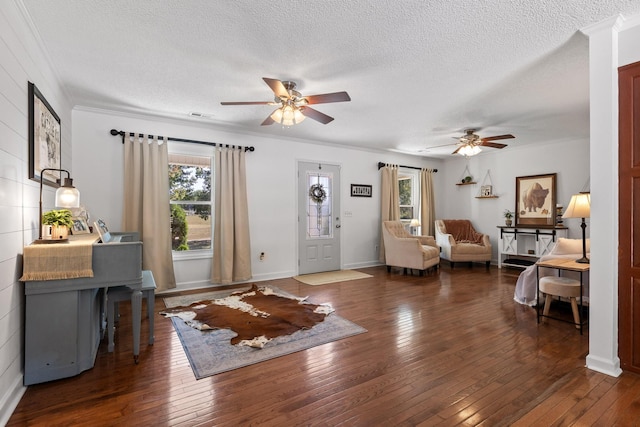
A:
<point x="536" y="201"/>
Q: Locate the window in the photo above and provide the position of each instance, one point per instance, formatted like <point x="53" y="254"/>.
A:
<point x="191" y="201"/>
<point x="408" y="191"/>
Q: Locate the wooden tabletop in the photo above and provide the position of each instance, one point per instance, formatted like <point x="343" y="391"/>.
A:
<point x="564" y="264"/>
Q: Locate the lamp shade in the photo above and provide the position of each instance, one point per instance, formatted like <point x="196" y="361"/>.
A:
<point x="414" y="223"/>
<point x="579" y="206"/>
<point x="469" y="150"/>
<point x="67" y="196"/>
<point x="288" y="115"/>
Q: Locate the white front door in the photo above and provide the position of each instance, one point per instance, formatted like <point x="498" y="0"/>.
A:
<point x="318" y="217"/>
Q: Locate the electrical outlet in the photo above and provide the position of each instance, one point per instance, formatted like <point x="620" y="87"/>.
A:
<point x="262" y="256"/>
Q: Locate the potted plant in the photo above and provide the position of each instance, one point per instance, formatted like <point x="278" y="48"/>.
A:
<point x="60" y="221"/>
<point x="507" y="217"/>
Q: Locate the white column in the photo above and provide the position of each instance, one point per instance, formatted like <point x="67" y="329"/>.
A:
<point x="603" y="280"/>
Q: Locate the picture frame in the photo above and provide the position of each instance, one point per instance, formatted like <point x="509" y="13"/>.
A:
<point x="536" y="200"/>
<point x="44" y="139"/>
<point x="80" y="226"/>
<point x="486" y="191"/>
<point x="361" y="190"/>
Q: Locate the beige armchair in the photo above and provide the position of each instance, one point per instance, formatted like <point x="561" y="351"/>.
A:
<point x="407" y="251"/>
<point x="460" y="242"/>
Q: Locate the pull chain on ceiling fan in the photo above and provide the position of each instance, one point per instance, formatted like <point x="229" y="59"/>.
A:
<point x="293" y="107"/>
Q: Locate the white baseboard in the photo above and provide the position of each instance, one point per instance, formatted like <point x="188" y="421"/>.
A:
<point x="10" y="399"/>
<point x="604" y="366"/>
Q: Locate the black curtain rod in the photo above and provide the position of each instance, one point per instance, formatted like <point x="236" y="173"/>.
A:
<point x="381" y="165"/>
<point x="213" y="144"/>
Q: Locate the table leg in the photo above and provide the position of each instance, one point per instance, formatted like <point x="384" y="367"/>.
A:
<point x="136" y="318"/>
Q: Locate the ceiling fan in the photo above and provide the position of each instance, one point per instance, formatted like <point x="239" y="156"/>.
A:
<point x="469" y="144"/>
<point x="292" y="106"/>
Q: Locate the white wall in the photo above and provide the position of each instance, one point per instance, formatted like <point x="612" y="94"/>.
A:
<point x="459" y="201"/>
<point x="271" y="187"/>
<point x="22" y="61"/>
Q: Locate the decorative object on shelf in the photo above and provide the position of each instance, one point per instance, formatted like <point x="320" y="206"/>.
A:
<point x="44" y="139"/>
<point x="559" y="220"/>
<point x="414" y="224"/>
<point x="466" y="177"/>
<point x="56" y="224"/>
<point x="361" y="190"/>
<point x="580" y="207"/>
<point x="67" y="196"/>
<point x="507" y="217"/>
<point x="486" y="188"/>
<point x="536" y="200"/>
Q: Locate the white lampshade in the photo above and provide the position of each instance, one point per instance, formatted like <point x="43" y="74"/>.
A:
<point x="579" y="206"/>
<point x="67" y="196"/>
<point x="288" y="115"/>
<point x="469" y="150"/>
<point x="414" y="223"/>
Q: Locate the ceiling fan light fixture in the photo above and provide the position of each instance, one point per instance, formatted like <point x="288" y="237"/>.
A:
<point x="469" y="150"/>
<point x="288" y="115"/>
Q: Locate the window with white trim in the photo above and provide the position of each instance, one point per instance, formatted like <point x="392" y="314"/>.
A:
<point x="190" y="195"/>
<point x="408" y="187"/>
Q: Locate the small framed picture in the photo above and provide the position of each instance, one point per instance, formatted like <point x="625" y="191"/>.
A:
<point x="80" y="226"/>
<point x="361" y="190"/>
<point x="486" y="191"/>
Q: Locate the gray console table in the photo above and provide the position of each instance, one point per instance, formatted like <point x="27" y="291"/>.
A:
<point x="64" y="316"/>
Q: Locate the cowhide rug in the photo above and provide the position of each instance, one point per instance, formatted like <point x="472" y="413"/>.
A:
<point x="257" y="315"/>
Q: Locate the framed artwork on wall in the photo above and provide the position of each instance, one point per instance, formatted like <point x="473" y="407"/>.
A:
<point x="536" y="201"/>
<point x="44" y="138"/>
<point x="361" y="190"/>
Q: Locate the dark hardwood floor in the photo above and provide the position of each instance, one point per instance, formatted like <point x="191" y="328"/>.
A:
<point x="451" y="348"/>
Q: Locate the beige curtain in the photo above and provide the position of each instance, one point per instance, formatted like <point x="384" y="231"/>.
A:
<point x="231" y="243"/>
<point x="389" y="199"/>
<point x="146" y="204"/>
<point x="427" y="203"/>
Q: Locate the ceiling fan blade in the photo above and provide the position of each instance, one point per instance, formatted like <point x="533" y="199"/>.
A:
<point x="316" y="115"/>
<point x="438" y="146"/>
<point x="495" y="138"/>
<point x="457" y="149"/>
<point x="268" y="121"/>
<point x="277" y="87"/>
<point x="249" y="103"/>
<point x="328" y="97"/>
<point x="492" y="144"/>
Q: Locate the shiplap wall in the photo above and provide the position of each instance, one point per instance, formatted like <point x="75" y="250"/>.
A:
<point x="22" y="61"/>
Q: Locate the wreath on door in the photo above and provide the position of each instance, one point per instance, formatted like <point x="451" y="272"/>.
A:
<point x="317" y="193"/>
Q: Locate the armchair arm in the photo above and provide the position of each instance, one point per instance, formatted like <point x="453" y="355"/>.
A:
<point x="427" y="241"/>
<point x="445" y="239"/>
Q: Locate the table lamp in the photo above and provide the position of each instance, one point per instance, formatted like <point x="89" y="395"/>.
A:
<point x="67" y="196"/>
<point x="580" y="207"/>
<point x="414" y="224"/>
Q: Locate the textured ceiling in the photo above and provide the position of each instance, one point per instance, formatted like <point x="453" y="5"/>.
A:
<point x="418" y="71"/>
